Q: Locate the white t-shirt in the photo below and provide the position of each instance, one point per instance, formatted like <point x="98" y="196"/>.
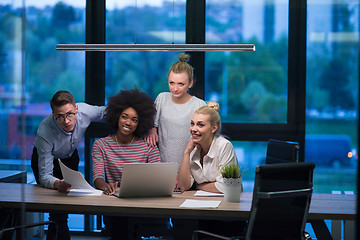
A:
<point x="173" y="123"/>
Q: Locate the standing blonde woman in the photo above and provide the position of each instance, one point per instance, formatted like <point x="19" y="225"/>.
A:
<point x="174" y="110"/>
<point x="206" y="152"/>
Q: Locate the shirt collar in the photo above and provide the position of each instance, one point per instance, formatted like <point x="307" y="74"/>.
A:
<point x="211" y="154"/>
<point x="213" y="148"/>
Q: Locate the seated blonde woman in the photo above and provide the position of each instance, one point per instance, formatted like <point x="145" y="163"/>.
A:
<point x="206" y="152"/>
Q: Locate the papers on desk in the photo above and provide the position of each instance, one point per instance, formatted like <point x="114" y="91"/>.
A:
<point x="80" y="186"/>
<point x="201" y="193"/>
<point x="84" y="192"/>
<point x="190" y="203"/>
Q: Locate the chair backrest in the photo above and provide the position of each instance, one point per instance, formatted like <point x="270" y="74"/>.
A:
<point x="281" y="151"/>
<point x="281" y="200"/>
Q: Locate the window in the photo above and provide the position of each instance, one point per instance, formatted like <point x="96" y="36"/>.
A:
<point x="249" y="155"/>
<point x="332" y="93"/>
<point x="158" y="22"/>
<point x="251" y="87"/>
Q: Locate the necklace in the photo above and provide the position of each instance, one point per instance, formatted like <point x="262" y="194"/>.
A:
<point x="132" y="140"/>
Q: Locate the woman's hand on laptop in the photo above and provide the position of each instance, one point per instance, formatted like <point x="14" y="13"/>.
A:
<point x="110" y="188"/>
<point x="107" y="188"/>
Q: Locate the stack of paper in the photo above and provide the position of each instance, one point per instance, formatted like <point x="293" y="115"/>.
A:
<point x="80" y="186"/>
<point x="190" y="203"/>
<point x="201" y="193"/>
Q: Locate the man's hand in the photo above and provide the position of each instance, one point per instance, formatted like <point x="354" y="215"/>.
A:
<point x="62" y="186"/>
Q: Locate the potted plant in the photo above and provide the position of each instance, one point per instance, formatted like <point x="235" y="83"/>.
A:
<point x="232" y="187"/>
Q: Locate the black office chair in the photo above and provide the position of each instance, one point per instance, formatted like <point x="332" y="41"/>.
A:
<point x="281" y="151"/>
<point x="280" y="205"/>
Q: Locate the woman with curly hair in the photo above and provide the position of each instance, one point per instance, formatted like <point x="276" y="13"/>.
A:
<point x="130" y="113"/>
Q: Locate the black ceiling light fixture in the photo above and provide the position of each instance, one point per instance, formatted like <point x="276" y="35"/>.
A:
<point x="157" y="47"/>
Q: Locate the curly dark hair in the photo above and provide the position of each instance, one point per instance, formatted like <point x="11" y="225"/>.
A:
<point x="140" y="101"/>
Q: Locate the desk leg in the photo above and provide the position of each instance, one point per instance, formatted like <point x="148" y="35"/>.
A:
<point x="321" y="230"/>
<point x="336" y="229"/>
<point x="349" y="230"/>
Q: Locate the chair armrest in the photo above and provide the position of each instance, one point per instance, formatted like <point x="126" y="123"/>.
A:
<point x="196" y="232"/>
<point x="297" y="192"/>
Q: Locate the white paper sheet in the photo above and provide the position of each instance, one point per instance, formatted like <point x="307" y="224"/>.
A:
<point x="201" y="193"/>
<point x="190" y="203"/>
<point x="80" y="186"/>
<point x="84" y="192"/>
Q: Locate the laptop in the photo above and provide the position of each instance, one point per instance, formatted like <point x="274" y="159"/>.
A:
<point x="147" y="180"/>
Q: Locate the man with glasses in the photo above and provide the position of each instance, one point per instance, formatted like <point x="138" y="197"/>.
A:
<point x="58" y="137"/>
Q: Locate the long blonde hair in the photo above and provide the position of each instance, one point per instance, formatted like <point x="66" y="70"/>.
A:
<point x="211" y="109"/>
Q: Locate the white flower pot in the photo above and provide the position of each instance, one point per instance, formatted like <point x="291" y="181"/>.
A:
<point x="232" y="189"/>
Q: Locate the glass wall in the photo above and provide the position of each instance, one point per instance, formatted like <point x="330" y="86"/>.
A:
<point x="31" y="71"/>
<point x="11" y="64"/>
<point x="332" y="93"/>
<point x="251" y="87"/>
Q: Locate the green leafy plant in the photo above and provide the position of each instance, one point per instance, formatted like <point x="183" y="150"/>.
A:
<point x="231" y="170"/>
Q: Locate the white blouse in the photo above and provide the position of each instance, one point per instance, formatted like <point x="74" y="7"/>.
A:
<point x="221" y="152"/>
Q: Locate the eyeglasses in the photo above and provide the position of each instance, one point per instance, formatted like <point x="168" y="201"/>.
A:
<point x="68" y="115"/>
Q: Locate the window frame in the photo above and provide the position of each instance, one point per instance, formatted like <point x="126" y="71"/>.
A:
<point x="293" y="130"/>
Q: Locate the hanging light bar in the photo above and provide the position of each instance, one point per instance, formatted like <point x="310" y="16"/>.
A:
<point x="157" y="47"/>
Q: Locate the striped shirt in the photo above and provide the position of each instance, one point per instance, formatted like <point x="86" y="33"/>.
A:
<point x="109" y="157"/>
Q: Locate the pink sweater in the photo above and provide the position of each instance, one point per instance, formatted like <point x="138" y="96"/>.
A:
<point x="109" y="157"/>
